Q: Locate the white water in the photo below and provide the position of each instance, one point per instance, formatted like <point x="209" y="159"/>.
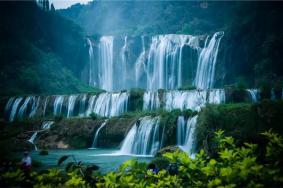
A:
<point x="23" y="108"/>
<point x="34" y="107"/>
<point x="158" y="65"/>
<point x="151" y="100"/>
<point x="253" y="94"/>
<point x="164" y="61"/>
<point x="111" y="104"/>
<point x="71" y="105"/>
<point x="45" y="106"/>
<point x="143" y="138"/>
<point x="207" y="62"/>
<point x="105" y="63"/>
<point x="189" y="144"/>
<point x="181" y="130"/>
<point x="82" y="110"/>
<point x="91" y="61"/>
<point x="58" y="105"/>
<point x="95" y="139"/>
<point x="193" y="99"/>
<point x="45" y="126"/>
<point x="15" y="108"/>
<point x="216" y="96"/>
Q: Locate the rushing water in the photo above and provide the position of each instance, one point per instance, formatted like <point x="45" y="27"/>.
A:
<point x="96" y="136"/>
<point x="45" y="126"/>
<point x="188" y="143"/>
<point x="254" y="94"/>
<point x="207" y="61"/>
<point x="143" y="138"/>
<point x="162" y="62"/>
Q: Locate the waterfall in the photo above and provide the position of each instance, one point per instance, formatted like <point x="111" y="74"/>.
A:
<point x="91" y="61"/>
<point x="143" y="138"/>
<point x="207" y="61"/>
<point x="111" y="104"/>
<point x="216" y="96"/>
<point x="45" y="106"/>
<point x="94" y="143"/>
<point x="58" y="105"/>
<point x="90" y="105"/>
<point x="253" y="94"/>
<point x="140" y="66"/>
<point x="15" y="108"/>
<point x="23" y="108"/>
<point x="105" y="63"/>
<point x="151" y="100"/>
<point x="193" y="99"/>
<point x="71" y="105"/>
<point x="189" y="144"/>
<point x="124" y="59"/>
<point x="32" y="138"/>
<point x="181" y="130"/>
<point x="45" y="126"/>
<point x="82" y="110"/>
<point x="164" y="61"/>
<point x="34" y="107"/>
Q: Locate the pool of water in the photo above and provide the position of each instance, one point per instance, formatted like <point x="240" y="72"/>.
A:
<point x="106" y="159"/>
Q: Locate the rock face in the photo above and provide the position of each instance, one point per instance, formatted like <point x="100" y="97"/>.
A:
<point x="79" y="133"/>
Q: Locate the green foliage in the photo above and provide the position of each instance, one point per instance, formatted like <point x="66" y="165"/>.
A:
<point x="94" y="116"/>
<point x="233" y="166"/>
<point x="244" y="121"/>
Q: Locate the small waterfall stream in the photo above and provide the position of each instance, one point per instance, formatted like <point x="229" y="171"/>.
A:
<point x="143" y="138"/>
<point x="45" y="126"/>
<point x="187" y="134"/>
<point x="96" y="136"/>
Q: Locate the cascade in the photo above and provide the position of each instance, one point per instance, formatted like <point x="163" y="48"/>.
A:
<point x="181" y="130"/>
<point x="82" y="109"/>
<point x="216" y="96"/>
<point x="91" y="61"/>
<point x="14" y="109"/>
<point x="253" y="94"/>
<point x="159" y="64"/>
<point x="71" y="105"/>
<point x="34" y="107"/>
<point x="193" y="99"/>
<point x="150" y="100"/>
<point x="23" y="108"/>
<point x="45" y="106"/>
<point x="95" y="139"/>
<point x="90" y="105"/>
<point x="188" y="145"/>
<point x="58" y="105"/>
<point x="111" y="104"/>
<point x="45" y="126"/>
<point x="207" y="61"/>
<point x="105" y="63"/>
<point x="140" y="66"/>
<point x="143" y="138"/>
<point x="163" y="68"/>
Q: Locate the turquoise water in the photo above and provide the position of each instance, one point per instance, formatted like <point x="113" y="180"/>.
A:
<point x="106" y="159"/>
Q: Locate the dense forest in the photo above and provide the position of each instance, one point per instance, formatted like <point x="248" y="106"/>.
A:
<point x="34" y="41"/>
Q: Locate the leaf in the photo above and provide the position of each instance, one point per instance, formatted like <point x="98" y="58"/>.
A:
<point x="62" y="159"/>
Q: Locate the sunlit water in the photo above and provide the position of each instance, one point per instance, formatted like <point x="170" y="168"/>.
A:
<point x="106" y="159"/>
